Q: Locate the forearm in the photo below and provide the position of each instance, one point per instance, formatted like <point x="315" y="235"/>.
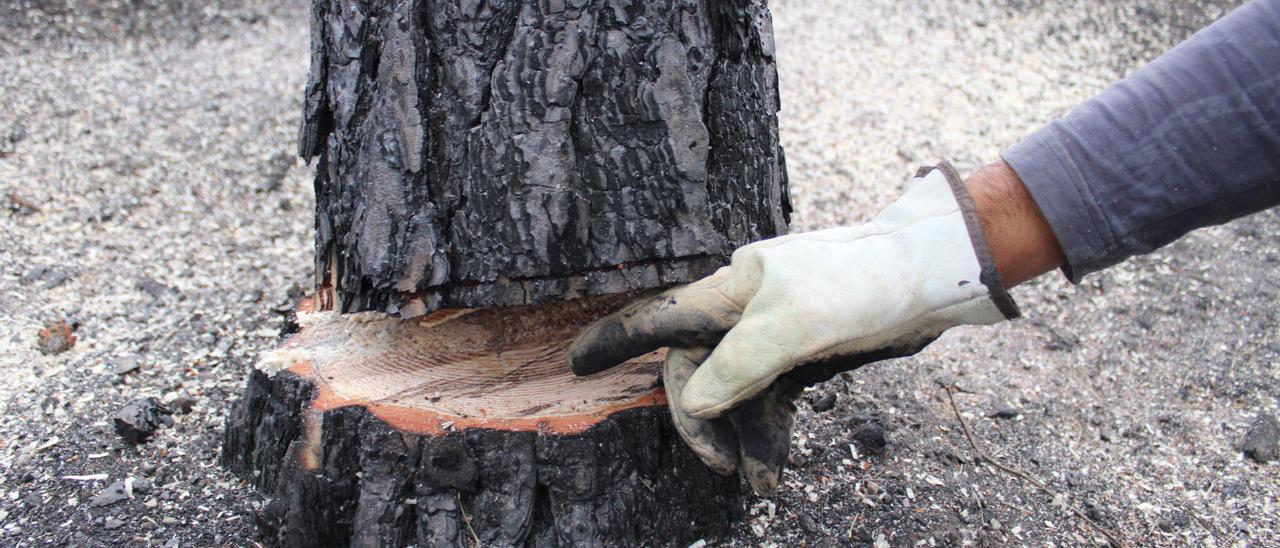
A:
<point x="1190" y="140"/>
<point x="1021" y="240"/>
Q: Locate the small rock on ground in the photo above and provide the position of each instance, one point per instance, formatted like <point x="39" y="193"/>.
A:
<point x="125" y="365"/>
<point x="139" y="419"/>
<point x="182" y="404"/>
<point x="1262" y="443"/>
<point x="822" y="401"/>
<point x="1004" y="413"/>
<point x="111" y="494"/>
<point x="142" y="485"/>
<point x="869" y="433"/>
<point x="56" y="337"/>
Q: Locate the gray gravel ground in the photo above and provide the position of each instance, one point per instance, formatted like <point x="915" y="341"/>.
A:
<point x="150" y="198"/>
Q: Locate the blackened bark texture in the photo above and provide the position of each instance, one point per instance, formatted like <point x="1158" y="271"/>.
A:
<point x="627" y="481"/>
<point x="481" y="153"/>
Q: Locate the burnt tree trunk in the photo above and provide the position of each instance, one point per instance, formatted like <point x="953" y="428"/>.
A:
<point x="497" y="174"/>
<point x="484" y="153"/>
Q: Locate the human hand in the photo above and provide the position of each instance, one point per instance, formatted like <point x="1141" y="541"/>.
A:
<point x="793" y="311"/>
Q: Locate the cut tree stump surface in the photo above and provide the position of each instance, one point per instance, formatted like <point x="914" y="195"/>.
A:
<point x="495" y="368"/>
<point x="465" y="427"/>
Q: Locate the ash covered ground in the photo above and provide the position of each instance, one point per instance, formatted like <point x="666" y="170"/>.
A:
<point x="150" y="198"/>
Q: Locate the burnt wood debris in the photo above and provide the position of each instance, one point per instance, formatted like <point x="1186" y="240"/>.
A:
<point x="492" y="154"/>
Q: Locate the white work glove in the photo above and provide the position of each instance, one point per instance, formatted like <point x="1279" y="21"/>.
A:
<point x="796" y="310"/>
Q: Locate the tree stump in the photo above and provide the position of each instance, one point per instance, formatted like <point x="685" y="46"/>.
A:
<point x="464" y="427"/>
<point x="492" y="174"/>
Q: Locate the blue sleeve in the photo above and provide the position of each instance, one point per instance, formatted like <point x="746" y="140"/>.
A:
<point x="1190" y="140"/>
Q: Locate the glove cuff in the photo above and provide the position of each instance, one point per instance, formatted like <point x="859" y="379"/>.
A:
<point x="988" y="275"/>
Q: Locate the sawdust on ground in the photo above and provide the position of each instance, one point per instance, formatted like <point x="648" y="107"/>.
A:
<point x="159" y="209"/>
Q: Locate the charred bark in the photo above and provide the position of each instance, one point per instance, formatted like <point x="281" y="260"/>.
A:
<point x="627" y="481"/>
<point x="486" y="153"/>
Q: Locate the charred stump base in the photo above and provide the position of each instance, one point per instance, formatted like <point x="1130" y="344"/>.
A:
<point x="465" y="427"/>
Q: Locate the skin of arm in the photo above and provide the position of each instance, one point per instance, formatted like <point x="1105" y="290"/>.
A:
<point x="1021" y="240"/>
